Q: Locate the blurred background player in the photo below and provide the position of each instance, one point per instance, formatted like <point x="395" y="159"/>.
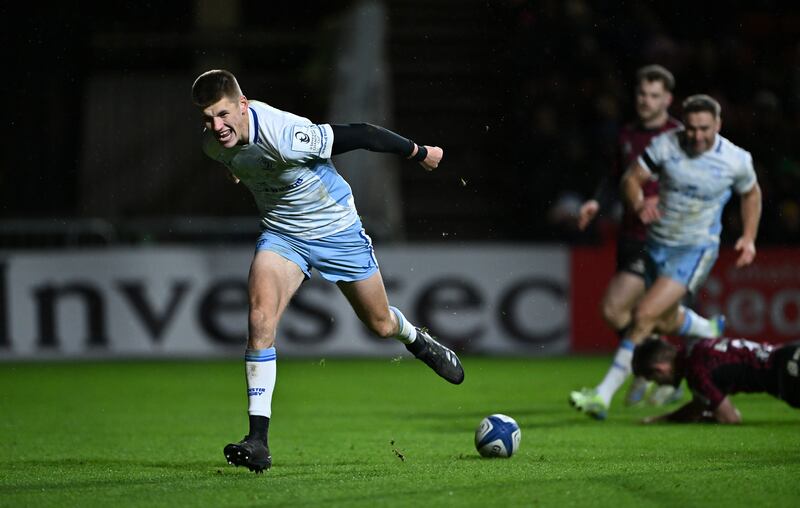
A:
<point x="717" y="368"/>
<point x="654" y="86"/>
<point x="698" y="171"/>
<point x="309" y="220"/>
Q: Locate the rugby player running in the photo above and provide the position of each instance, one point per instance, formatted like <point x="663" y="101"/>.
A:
<point x="698" y="171"/>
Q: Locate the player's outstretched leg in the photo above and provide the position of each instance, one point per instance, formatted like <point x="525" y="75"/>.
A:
<point x="442" y="360"/>
<point x="251" y="452"/>
<point x="691" y="324"/>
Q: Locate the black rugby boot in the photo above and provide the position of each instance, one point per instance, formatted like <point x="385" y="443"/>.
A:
<point x="250" y="452"/>
<point x="442" y="360"/>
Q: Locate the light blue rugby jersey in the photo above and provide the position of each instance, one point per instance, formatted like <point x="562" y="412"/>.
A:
<point x="286" y="165"/>
<point x="694" y="190"/>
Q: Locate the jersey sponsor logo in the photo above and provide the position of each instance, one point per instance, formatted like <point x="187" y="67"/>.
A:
<point x="266" y="188"/>
<point x="690" y="191"/>
<point x="307" y="139"/>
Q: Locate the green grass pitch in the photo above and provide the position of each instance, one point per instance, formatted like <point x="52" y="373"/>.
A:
<point x="151" y="434"/>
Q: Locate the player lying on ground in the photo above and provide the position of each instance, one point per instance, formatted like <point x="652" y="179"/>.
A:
<point x="717" y="368"/>
<point x="309" y="220"/>
<point x="653" y="96"/>
<point x="698" y="170"/>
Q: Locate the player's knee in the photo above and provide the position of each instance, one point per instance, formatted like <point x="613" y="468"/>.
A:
<point x="644" y="315"/>
<point x="262" y="324"/>
<point x="613" y="315"/>
<point x="258" y="315"/>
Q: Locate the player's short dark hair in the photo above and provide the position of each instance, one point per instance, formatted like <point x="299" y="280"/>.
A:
<point x="213" y="85"/>
<point x="702" y="102"/>
<point x="650" y="352"/>
<point x="656" y="73"/>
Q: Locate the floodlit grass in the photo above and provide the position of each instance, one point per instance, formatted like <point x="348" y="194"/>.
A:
<point x="151" y="434"/>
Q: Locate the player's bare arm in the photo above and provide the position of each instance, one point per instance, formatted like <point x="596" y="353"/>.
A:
<point x="354" y="136"/>
<point x="726" y="412"/>
<point x="751" y="215"/>
<point x="631" y="187"/>
<point x="692" y="411"/>
<point x="587" y="213"/>
<point x="607" y="192"/>
<point x="696" y="411"/>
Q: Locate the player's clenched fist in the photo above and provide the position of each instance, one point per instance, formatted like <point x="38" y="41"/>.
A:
<point x="648" y="211"/>
<point x="587" y="213"/>
<point x="433" y="158"/>
<point x="747" y="251"/>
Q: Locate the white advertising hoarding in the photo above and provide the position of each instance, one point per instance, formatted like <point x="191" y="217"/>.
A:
<point x="185" y="302"/>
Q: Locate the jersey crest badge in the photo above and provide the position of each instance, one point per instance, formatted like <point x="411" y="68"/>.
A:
<point x="306" y="139"/>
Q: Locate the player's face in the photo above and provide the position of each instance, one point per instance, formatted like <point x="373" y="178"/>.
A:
<point x="228" y="120"/>
<point x="652" y="100"/>
<point x="701" y="129"/>
<point x="662" y="373"/>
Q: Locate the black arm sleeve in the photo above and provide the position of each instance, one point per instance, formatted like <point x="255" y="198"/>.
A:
<point x="606" y="194"/>
<point x="369" y="137"/>
<point x="649" y="164"/>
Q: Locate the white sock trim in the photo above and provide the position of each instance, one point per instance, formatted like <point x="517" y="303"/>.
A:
<point x="617" y="373"/>
<point x="695" y="325"/>
<point x="407" y="333"/>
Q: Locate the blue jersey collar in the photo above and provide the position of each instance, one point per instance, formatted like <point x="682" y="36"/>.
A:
<point x="252" y="118"/>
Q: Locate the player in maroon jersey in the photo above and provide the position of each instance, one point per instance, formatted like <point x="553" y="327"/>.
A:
<point x="717" y="368"/>
<point x="653" y="98"/>
<point x="654" y="85"/>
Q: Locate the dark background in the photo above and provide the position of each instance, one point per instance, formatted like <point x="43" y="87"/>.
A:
<point x="525" y="97"/>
